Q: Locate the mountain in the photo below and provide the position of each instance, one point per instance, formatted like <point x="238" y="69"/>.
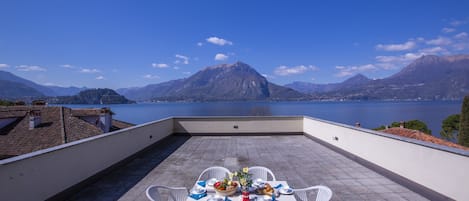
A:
<point x="66" y="91"/>
<point x="11" y="78"/>
<point x="27" y="88"/>
<point x="92" y="96"/>
<point x="15" y="90"/>
<point x="225" y="82"/>
<point x="428" y="78"/>
<point x="309" y="88"/>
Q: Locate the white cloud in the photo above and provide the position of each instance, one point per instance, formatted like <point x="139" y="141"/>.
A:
<point x="200" y="44"/>
<point x="181" y="59"/>
<point x="155" y="65"/>
<point x="397" y="47"/>
<point x="401" y="58"/>
<point x="87" y="70"/>
<point x="219" y="41"/>
<point x="67" y="66"/>
<point x="149" y="76"/>
<point x="30" y="68"/>
<point x="220" y="57"/>
<point x="4" y="65"/>
<point x="285" y="70"/>
<point x="456" y="23"/>
<point x="100" y="77"/>
<point x="434" y="50"/>
<point x="387" y="66"/>
<point x="186" y="73"/>
<point x="351" y="70"/>
<point x="439" y="41"/>
<point x="461" y="46"/>
<point x="462" y="35"/>
<point x="448" y="30"/>
<point x="393" y="62"/>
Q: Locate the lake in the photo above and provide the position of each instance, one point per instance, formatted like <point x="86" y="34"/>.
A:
<point x="370" y="114"/>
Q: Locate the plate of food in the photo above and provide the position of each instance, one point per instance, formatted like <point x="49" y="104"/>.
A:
<point x="225" y="187"/>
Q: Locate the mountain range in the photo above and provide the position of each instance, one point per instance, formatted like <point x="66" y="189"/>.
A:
<point x="427" y="78"/>
<point x="14" y="87"/>
<point x="225" y="82"/>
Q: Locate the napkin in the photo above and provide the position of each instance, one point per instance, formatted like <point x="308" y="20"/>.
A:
<point x="198" y="196"/>
<point x="202" y="183"/>
<point x="226" y="198"/>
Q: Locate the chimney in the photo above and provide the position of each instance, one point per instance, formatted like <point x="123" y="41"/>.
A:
<point x="401" y="125"/>
<point x="34" y="119"/>
<point x="105" y="119"/>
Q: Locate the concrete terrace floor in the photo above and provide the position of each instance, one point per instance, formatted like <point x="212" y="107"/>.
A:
<point x="302" y="162"/>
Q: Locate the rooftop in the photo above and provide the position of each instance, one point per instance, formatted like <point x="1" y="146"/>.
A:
<point x="58" y="125"/>
<point x="356" y="163"/>
<point x="418" y="135"/>
<point x="296" y="159"/>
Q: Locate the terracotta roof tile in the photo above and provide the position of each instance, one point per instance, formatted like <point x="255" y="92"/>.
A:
<point x="415" y="134"/>
<point x="58" y="126"/>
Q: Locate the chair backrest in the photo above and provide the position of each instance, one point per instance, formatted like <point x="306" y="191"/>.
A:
<point x="324" y="193"/>
<point x="216" y="172"/>
<point x="174" y="193"/>
<point x="259" y="172"/>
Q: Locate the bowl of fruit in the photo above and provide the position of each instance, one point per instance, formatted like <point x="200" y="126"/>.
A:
<point x="225" y="187"/>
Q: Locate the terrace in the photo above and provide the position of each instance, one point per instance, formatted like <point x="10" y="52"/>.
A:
<point x="357" y="164"/>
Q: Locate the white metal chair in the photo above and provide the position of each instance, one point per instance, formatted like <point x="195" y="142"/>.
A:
<point x="259" y="172"/>
<point x="324" y="193"/>
<point x="174" y="193"/>
<point x="216" y="172"/>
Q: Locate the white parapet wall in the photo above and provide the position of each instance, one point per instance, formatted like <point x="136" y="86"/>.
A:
<point x="45" y="173"/>
<point x="240" y="125"/>
<point x="444" y="170"/>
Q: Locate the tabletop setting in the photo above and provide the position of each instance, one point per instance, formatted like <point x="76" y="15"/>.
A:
<point x="247" y="184"/>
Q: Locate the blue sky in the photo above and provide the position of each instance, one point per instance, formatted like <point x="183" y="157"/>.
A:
<point x="119" y="44"/>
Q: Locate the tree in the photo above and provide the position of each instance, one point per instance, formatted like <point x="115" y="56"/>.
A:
<point x="450" y="127"/>
<point x="463" y="137"/>
<point x="6" y="103"/>
<point x="417" y="125"/>
<point x="412" y="124"/>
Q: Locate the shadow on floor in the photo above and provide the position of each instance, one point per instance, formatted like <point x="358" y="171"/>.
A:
<point x="112" y="185"/>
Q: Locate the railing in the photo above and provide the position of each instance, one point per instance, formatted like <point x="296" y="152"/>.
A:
<point x="43" y="174"/>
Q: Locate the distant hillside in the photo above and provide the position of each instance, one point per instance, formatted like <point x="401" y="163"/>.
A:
<point x="17" y="87"/>
<point x="224" y="82"/>
<point x="92" y="96"/>
<point x="14" y="87"/>
<point x="309" y="88"/>
<point x="66" y="91"/>
<point x="427" y="78"/>
<point x="14" y="90"/>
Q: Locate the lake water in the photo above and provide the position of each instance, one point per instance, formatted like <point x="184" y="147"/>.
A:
<point x="370" y="114"/>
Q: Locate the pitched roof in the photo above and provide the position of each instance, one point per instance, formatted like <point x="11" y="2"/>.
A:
<point x="117" y="125"/>
<point x="415" y="134"/>
<point x="58" y="126"/>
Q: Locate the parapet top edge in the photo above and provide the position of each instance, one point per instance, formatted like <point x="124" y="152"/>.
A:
<point x="399" y="138"/>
